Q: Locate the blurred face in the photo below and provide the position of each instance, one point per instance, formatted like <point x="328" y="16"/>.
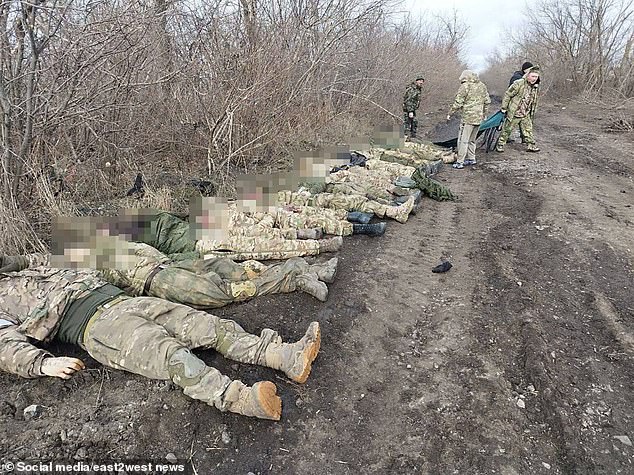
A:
<point x="532" y="77"/>
<point x="420" y="82"/>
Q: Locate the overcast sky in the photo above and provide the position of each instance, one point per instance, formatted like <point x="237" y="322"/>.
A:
<point x="488" y="20"/>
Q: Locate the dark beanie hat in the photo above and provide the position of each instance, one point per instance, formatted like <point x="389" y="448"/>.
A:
<point x="527" y="65"/>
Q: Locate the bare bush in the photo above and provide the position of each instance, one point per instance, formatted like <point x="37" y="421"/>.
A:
<point x="584" y="45"/>
<point x="93" y="92"/>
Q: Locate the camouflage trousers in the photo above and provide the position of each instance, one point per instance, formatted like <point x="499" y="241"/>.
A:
<point x="410" y="124"/>
<point x="260" y="230"/>
<point x="393" y="169"/>
<point x="218" y="282"/>
<point x="259" y="248"/>
<point x="329" y="220"/>
<point x="525" y="125"/>
<point x="153" y="338"/>
<point x="348" y="203"/>
<point x="467" y="142"/>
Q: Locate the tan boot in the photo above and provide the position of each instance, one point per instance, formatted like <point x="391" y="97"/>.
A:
<point x="295" y="359"/>
<point x="327" y="271"/>
<point x="311" y="233"/>
<point x="330" y="245"/>
<point x="260" y="400"/>
<point x="310" y="284"/>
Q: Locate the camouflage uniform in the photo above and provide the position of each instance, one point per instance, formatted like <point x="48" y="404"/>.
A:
<point x="472" y="101"/>
<point x="411" y="103"/>
<point x="348" y="203"/>
<point x="171" y="235"/>
<point x="520" y="102"/>
<point x="306" y="217"/>
<point x="143" y="335"/>
<point x="198" y="283"/>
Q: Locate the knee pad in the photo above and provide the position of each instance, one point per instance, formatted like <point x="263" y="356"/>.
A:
<point x="185" y="368"/>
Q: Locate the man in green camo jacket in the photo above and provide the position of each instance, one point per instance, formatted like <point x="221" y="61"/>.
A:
<point x="519" y="104"/>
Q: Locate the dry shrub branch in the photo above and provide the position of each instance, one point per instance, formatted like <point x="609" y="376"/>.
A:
<point x="93" y="92"/>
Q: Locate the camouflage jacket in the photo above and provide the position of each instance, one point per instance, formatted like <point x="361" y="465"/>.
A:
<point x="411" y="99"/>
<point x="32" y="304"/>
<point x="472" y="100"/>
<point x="514" y="95"/>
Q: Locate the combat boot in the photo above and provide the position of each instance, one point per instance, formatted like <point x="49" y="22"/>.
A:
<point x="499" y="148"/>
<point x="532" y="148"/>
<point x="311" y="233"/>
<point x="326" y="272"/>
<point x="295" y="359"/>
<point x="369" y="229"/>
<point x="359" y="217"/>
<point x="331" y="245"/>
<point x="260" y="400"/>
<point x="311" y="284"/>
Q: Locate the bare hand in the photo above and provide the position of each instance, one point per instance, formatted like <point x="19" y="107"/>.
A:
<point x="410" y="115"/>
<point x="448" y="118"/>
<point x="61" y="367"/>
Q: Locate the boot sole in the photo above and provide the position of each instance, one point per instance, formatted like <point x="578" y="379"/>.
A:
<point x="269" y="402"/>
<point x="330" y="278"/>
<point x="310" y="353"/>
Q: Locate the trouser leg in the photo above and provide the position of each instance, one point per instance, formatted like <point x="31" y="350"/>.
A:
<point x="526" y="129"/>
<point x="473" y="135"/>
<point x="463" y="142"/>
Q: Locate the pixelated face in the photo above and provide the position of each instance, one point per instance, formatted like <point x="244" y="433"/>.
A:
<point x="390" y="137"/>
<point x="258" y="193"/>
<point x="532" y="77"/>
<point x="209" y="218"/>
<point x="84" y="242"/>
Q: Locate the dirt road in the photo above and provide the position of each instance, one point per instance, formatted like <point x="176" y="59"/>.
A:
<point x="518" y="360"/>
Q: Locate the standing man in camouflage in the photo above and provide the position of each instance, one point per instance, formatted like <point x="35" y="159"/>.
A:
<point x="519" y="105"/>
<point x="472" y="101"/>
<point x="143" y="335"/>
<point x="411" y="103"/>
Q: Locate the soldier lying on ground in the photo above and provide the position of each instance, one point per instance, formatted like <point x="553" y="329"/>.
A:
<point x="199" y="283"/>
<point x="257" y="203"/>
<point x="144" y="335"/>
<point x="171" y="234"/>
<point x="348" y="202"/>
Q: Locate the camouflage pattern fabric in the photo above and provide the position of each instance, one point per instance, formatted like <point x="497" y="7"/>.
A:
<point x="516" y="93"/>
<point x="153" y="338"/>
<point x="199" y="283"/>
<point x="525" y="125"/>
<point x="348" y="203"/>
<point x="259" y="248"/>
<point x="471" y="100"/>
<point x="21" y="294"/>
<point x="432" y="188"/>
<point x="411" y="98"/>
<point x="329" y="220"/>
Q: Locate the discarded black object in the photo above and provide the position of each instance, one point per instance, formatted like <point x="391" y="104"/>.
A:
<point x="444" y="267"/>
<point x="138" y="187"/>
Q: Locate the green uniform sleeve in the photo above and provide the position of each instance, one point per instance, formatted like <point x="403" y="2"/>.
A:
<point x="18" y="356"/>
<point x="510" y="93"/>
<point x="458" y="102"/>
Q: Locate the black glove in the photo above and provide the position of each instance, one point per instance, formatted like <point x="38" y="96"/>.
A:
<point x="444" y="267"/>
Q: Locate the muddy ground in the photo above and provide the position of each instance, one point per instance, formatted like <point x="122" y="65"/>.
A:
<point x="519" y="360"/>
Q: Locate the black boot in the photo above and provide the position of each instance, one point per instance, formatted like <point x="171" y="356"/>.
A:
<point x="369" y="229"/>
<point x="359" y="217"/>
